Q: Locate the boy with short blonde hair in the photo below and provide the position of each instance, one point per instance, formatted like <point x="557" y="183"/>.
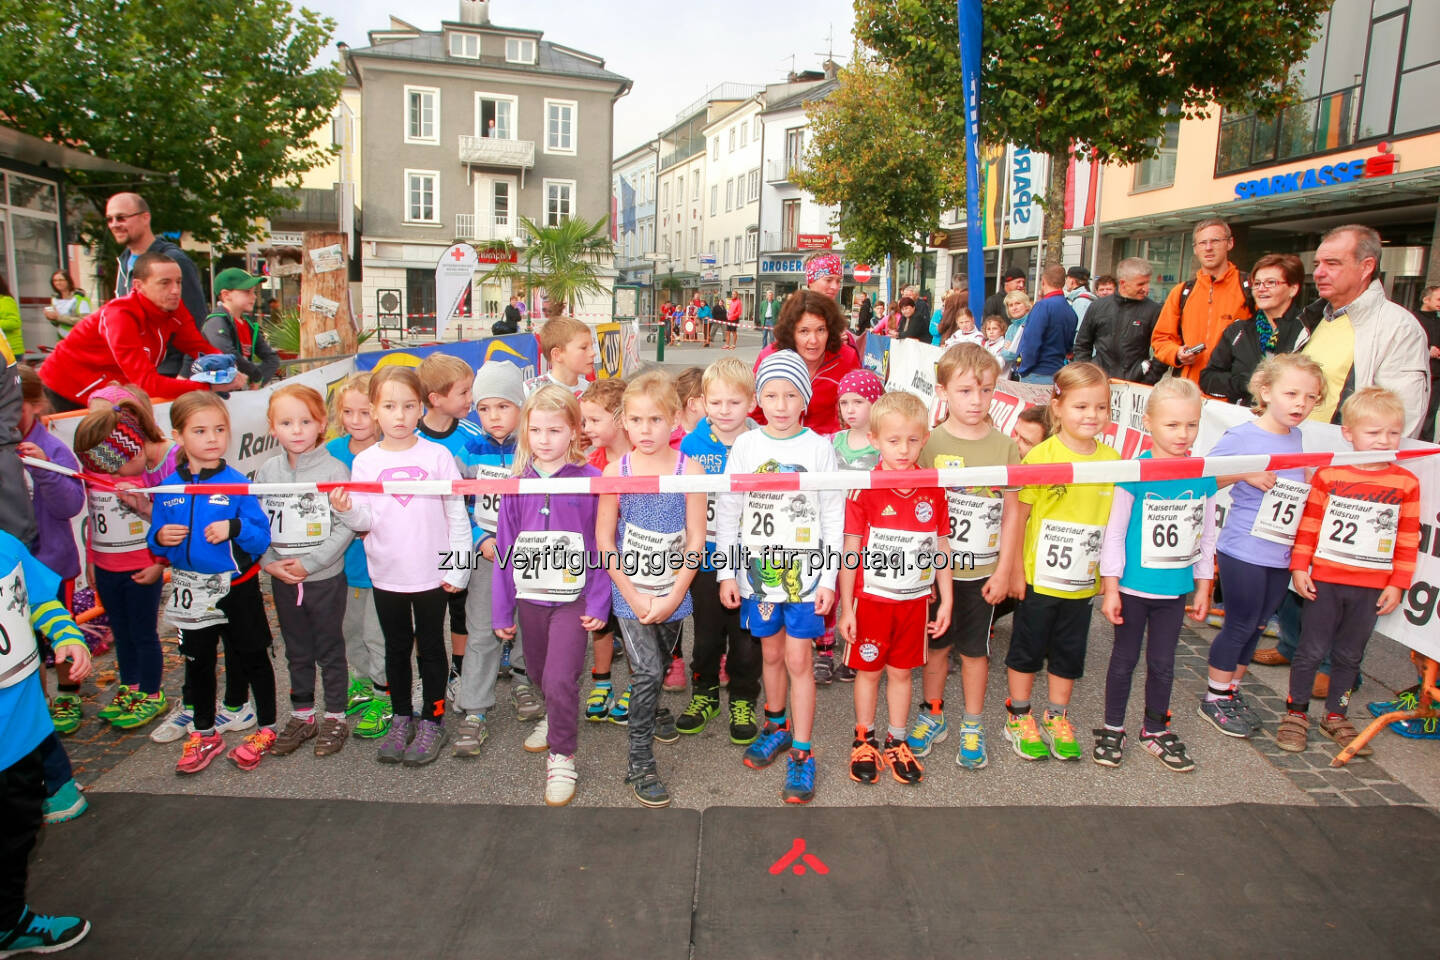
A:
<point x="568" y="346"/>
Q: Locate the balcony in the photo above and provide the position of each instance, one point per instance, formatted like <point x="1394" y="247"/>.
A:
<point x="783" y="171"/>
<point x="493" y="152"/>
<point x="470" y="227"/>
<point x="683" y="152"/>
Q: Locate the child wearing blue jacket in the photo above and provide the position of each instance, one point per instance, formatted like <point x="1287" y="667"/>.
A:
<point x="214" y="544"/>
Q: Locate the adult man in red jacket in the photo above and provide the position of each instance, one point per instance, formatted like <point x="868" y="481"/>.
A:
<point x="126" y="340"/>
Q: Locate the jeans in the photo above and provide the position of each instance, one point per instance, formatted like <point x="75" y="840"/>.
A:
<point x="1252" y="595"/>
<point x="58" y="771"/>
<point x="647" y="646"/>
<point x="482" y="654"/>
<point x="132" y="608"/>
<point x="22" y="804"/>
<point x="1038" y="378"/>
<point x="312" y="617"/>
<point x="555" y="648"/>
<point x="1162" y="616"/>
<point x="414" y="626"/>
<point x="364" y="642"/>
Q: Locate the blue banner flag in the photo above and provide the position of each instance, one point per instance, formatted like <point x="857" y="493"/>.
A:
<point x="970" y="26"/>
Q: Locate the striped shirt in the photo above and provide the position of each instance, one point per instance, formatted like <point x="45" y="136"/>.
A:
<point x="1389" y="489"/>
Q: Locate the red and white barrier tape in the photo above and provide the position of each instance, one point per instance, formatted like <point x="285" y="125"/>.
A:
<point x="1038" y="474"/>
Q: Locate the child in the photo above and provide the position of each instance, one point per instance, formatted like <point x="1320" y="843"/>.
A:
<point x="499" y="393"/>
<point x="783" y="595"/>
<point x="725" y="654"/>
<point x="650" y="583"/>
<point x="1260" y="525"/>
<point x="1064" y="528"/>
<point x="1354" y="558"/>
<point x="233" y="327"/>
<point x="569" y="347"/>
<point x="1032" y="426"/>
<point x="964" y="331"/>
<point x="993" y="339"/>
<point x="600" y="422"/>
<point x="985" y="534"/>
<point x="692" y="405"/>
<point x="1159" y="545"/>
<point x="407" y="537"/>
<point x="885" y="625"/>
<point x="214" y="544"/>
<point x="552" y="596"/>
<point x="369" y="694"/>
<point x="306" y="563"/>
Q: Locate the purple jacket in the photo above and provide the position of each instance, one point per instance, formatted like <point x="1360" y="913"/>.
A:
<point x="57" y="499"/>
<point x="520" y="513"/>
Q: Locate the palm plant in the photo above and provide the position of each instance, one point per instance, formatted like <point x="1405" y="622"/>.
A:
<point x="563" y="259"/>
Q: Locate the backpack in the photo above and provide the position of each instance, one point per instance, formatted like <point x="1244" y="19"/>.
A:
<point x="1244" y="285"/>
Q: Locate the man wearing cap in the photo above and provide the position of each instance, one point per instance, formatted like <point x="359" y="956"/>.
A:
<point x="234" y="329"/>
<point x="1077" y="291"/>
<point x="995" y="303"/>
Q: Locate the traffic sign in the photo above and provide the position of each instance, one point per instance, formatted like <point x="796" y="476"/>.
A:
<point x="862" y="273"/>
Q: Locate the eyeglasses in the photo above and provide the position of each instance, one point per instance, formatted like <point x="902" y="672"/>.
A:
<point x="1212" y="243"/>
<point x="120" y="217"/>
<point x="1268" y="284"/>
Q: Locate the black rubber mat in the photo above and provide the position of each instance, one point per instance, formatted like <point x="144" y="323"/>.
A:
<point x="1236" y="881"/>
<point x="171" y="876"/>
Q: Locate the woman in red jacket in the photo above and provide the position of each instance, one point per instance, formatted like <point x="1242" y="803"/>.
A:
<point x="812" y="325"/>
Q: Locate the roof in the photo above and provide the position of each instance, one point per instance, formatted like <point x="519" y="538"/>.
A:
<point x="43" y="153"/>
<point x="820" y="91"/>
<point x="551" y="58"/>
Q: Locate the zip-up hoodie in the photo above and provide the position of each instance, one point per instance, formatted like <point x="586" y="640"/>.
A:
<point x="485" y="451"/>
<point x="249" y="528"/>
<point x="328" y="559"/>
<point x="528" y="512"/>
<point x="57" y="499"/>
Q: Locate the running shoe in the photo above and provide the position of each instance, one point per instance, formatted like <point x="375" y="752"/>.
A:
<point x="665" y="729"/>
<point x="649" y="789"/>
<point x="1167" y="748"/>
<point x="66" y="712"/>
<point x="528" y="706"/>
<point x="865" y="759"/>
<point x="743" y="728"/>
<point x="620" y="710"/>
<point x="972" y="755"/>
<point x="929" y="729"/>
<point x="252" y="749"/>
<point x="901" y="761"/>
<point x="599" y="702"/>
<point x="430" y="736"/>
<point x="296" y="732"/>
<point x="799" y="777"/>
<point x="539" y="739"/>
<point x="824" y="668"/>
<point x="145" y="710"/>
<point x="845" y="674"/>
<point x="1024" y="735"/>
<point x="471" y="736"/>
<point x="724" y="676"/>
<point x="67" y="803"/>
<point x="233" y="721"/>
<point x="120" y="703"/>
<point x="504" y="670"/>
<point x="1427" y="728"/>
<point x="180" y="723"/>
<point x="1060" y="735"/>
<point x="331" y="736"/>
<point x="361" y="692"/>
<point x="1242" y="709"/>
<point x="675" y="676"/>
<point x="1109" y="748"/>
<point x="375" y="717"/>
<point x="559" y="780"/>
<point x="396" y="740"/>
<point x="774" y="740"/>
<point x="42" y="933"/>
<point x="1223" y="717"/>
<point x="704" y="705"/>
<point x="452" y="691"/>
<point x="198" y="751"/>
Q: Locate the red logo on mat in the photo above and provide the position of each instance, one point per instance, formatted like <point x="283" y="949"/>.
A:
<point x="796" y="860"/>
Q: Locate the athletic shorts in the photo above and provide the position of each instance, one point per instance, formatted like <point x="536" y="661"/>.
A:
<point x="765" y="619"/>
<point x="888" y="635"/>
<point x="456" y="603"/>
<point x="970" y="620"/>
<point x="1050" y="633"/>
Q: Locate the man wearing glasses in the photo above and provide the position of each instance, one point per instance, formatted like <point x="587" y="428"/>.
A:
<point x="128" y="217"/>
<point x="1196" y="312"/>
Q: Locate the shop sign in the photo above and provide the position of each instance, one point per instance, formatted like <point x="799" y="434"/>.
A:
<point x="814" y="241"/>
<point x="1383" y="164"/>
<point x="782" y="265"/>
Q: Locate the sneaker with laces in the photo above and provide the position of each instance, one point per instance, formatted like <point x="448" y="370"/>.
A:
<point x="1342" y="731"/>
<point x="180" y="723"/>
<point x="1167" y="748"/>
<point x="396" y="740"/>
<point x="1222" y="716"/>
<point x="675" y="676"/>
<point x="724" y="676"/>
<point x="901" y="761"/>
<point x="539" y="739"/>
<point x="528" y="705"/>
<point x="471" y="736"/>
<point x="599" y="701"/>
<point x="649" y="789"/>
<point x="198" y="751"/>
<point x="1109" y="748"/>
<point x="824" y="668"/>
<point x="66" y="712"/>
<point x="1024" y="735"/>
<point x="1242" y="709"/>
<point x="929" y="729"/>
<point x="42" y="933"/>
<point x="361" y="692"/>
<point x="233" y="721"/>
<point x="704" y="705"/>
<point x="865" y="759"/>
<point x="559" y="780"/>
<point x="67" y="803"/>
<point x="1060" y="736"/>
<point x="743" y="727"/>
<point x="799" y="777"/>
<point x="452" y="691"/>
<point x="845" y="674"/>
<point x="430" y="736"/>
<point x="774" y="740"/>
<point x="665" y="729"/>
<point x="252" y="749"/>
<point x="295" y="733"/>
<point x="375" y="717"/>
<point x="620" y="709"/>
<point x="504" y="670"/>
<point x="330" y="738"/>
<point x="972" y="755"/>
<point x="144" y="711"/>
<point x="120" y="703"/>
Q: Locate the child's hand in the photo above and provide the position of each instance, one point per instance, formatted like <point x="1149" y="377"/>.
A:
<point x="487" y="549"/>
<point x="1201" y="609"/>
<point x="661" y="608"/>
<point x="730" y="595"/>
<point x="941" y="623"/>
<point x="1110" y="606"/>
<point x="217" y="532"/>
<point x="505" y="633"/>
<point x="450" y="588"/>
<point x="996" y="589"/>
<point x="135" y="501"/>
<point x="845" y="625"/>
<point x="641" y="604"/>
<point x="27" y="449"/>
<point x="1018" y="586"/>
<point x="79" y="656"/>
<point x="824" y="601"/>
<point x="340" y="500"/>
<point x="1303" y="584"/>
<point x="591" y="624"/>
<point x="145" y="575"/>
<point x="1263" y="480"/>
<point x="280" y="570"/>
<point x="1390" y="598"/>
<point x="172" y="534"/>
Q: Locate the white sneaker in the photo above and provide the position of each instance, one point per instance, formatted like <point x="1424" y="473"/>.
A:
<point x="226" y="722"/>
<point x="539" y="739"/>
<point x="559" y="780"/>
<point x="179" y="724"/>
<point x="452" y="692"/>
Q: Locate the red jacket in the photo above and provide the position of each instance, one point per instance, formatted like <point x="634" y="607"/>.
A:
<point x="823" y="412"/>
<point x="124" y="340"/>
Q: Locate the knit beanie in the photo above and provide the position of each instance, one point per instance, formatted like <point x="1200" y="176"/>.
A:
<point x="125" y="443"/>
<point x="784" y="365"/>
<point x="865" y="383"/>
<point x="499" y="379"/>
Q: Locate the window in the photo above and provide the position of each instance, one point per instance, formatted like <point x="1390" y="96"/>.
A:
<point x="715" y="150"/>
<point x="794" y="148"/>
<point x="744" y="133"/>
<point x="732" y="139"/>
<point x="737" y="249"/>
<point x="421" y="187"/>
<point x="420" y="302"/>
<point x="752" y="245"/>
<point x="665" y="194"/>
<point x="712" y="248"/>
<point x="679" y="250"/>
<point x="422" y="115"/>
<point x="695" y="179"/>
<point x="559" y="201"/>
<point x="729" y="194"/>
<point x="755" y="129"/>
<point x="752" y="193"/>
<point x="695" y="239"/>
<point x="789" y="224"/>
<point x="518" y="50"/>
<point x="668" y="254"/>
<point x="679" y="191"/>
<point x="726" y="258"/>
<point x="495" y="116"/>
<point x="501" y="203"/>
<point x="560" y="126"/>
<point x="714" y="197"/>
<point x="1159" y="170"/>
<point x="465" y="45"/>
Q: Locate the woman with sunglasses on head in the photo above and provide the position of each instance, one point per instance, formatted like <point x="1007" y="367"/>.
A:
<point x="1281" y="325"/>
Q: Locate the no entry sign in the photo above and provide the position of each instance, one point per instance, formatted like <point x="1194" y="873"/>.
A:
<point x="861" y="273"/>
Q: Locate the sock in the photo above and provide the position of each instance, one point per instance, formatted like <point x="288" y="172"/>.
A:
<point x="334" y="715"/>
<point x="68" y="687"/>
<point x="230" y="709"/>
<point x="206" y="733"/>
<point x="1017" y="708"/>
<point x="968" y="717"/>
<point x="896" y="733"/>
<point x="307" y="714"/>
<point x="1234" y="684"/>
<point x="933" y="706"/>
<point x="1114" y="729"/>
<point x="776" y="717"/>
<point x="863" y="732"/>
<point x="457" y="662"/>
<point x="801" y="747"/>
<point x="1332" y="717"/>
<point x="1215" y="692"/>
<point x="600" y="678"/>
<point x="1302" y="708"/>
<point x="821" y="647"/>
<point x="1056" y="709"/>
<point x="382" y="688"/>
<point x="475" y="716"/>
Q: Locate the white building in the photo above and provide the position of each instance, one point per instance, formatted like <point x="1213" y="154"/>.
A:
<point x="632" y="189"/>
<point x="732" y="202"/>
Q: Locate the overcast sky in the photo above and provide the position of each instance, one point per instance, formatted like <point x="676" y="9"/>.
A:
<point x="674" y="52"/>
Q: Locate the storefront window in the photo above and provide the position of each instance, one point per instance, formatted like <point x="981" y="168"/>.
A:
<point x="37" y="254"/>
<point x="1168" y="256"/>
<point x="32" y="194"/>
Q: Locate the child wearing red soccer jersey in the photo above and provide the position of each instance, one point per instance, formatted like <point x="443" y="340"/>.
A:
<point x="1353" y="559"/>
<point x="903" y="535"/>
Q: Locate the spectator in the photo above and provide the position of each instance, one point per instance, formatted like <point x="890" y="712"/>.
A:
<point x="1017" y="306"/>
<point x="1077" y="292"/>
<point x="864" y="312"/>
<point x="732" y="320"/>
<point x="1049" y="331"/>
<point x="769" y="313"/>
<point x="1217" y="297"/>
<point x="1115" y="333"/>
<point x="68" y="305"/>
<point x="925" y="311"/>
<point x="509" y="321"/>
<point x="825" y="274"/>
<point x="1364" y="339"/>
<point x="812" y="325"/>
<point x="17" y="516"/>
<point x="128" y="217"/>
<point x="232" y="328"/>
<point x="1280" y="325"/>
<point x="10" y="319"/>
<point x="1429" y="317"/>
<point x="1013" y="281"/>
<point x="1104" y="285"/>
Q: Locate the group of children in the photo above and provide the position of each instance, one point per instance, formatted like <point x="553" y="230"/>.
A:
<point x="362" y="582"/>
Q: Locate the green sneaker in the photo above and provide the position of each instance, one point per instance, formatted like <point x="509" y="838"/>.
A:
<point x="1060" y="736"/>
<point x="65" y="713"/>
<point x="361" y="692"/>
<point x="123" y="702"/>
<point x="1024" y="735"/>
<point x="703" y="705"/>
<point x="147" y="709"/>
<point x="375" y="718"/>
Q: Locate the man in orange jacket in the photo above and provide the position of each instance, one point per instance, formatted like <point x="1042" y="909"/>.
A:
<point x="1217" y="297"/>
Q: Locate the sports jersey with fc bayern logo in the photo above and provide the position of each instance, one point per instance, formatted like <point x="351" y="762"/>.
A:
<point x="896" y="528"/>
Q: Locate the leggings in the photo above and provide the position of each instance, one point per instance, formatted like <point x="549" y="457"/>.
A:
<point x="555" y="646"/>
<point x="1252" y="595"/>
<point x="131" y="608"/>
<point x="246" y="637"/>
<point x="22" y="805"/>
<point x="1162" y="616"/>
<point x="718" y="633"/>
<point x="415" y="623"/>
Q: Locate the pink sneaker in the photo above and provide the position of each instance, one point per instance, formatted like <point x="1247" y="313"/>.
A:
<point x="724" y="677"/>
<point x="675" y="676"/>
<point x="198" y="752"/>
<point x="252" y="750"/>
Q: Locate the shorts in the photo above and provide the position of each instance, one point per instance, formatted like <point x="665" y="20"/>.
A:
<point x="456" y="603"/>
<point x="765" y="619"/>
<point x="970" y="620"/>
<point x="1052" y="629"/>
<point x="888" y="635"/>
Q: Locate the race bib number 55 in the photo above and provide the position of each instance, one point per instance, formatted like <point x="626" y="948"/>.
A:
<point x="1067" y="556"/>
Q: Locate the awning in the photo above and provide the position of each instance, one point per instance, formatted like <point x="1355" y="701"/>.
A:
<point x="43" y="153"/>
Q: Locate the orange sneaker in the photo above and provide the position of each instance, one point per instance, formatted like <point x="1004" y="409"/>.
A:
<point x="901" y="761"/>
<point x="198" y="752"/>
<point x="252" y="749"/>
<point x="865" y="760"/>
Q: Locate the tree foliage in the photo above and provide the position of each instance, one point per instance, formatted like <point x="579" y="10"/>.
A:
<point x="1101" y="74"/>
<point x="218" y="94"/>
<point x="564" y="260"/>
<point x="876" y="156"/>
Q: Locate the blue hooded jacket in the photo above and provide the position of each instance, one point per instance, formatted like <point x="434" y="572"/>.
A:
<point x="249" y="527"/>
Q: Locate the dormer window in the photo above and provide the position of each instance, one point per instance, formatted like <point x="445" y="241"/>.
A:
<point x="519" y="50"/>
<point x="465" y="45"/>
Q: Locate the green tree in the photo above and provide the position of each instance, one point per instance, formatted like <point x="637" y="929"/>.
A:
<point x="876" y="157"/>
<point x="217" y="94"/>
<point x="1098" y="74"/>
<point x="564" y="260"/>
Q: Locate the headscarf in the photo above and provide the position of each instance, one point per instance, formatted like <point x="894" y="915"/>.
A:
<point x="863" y="382"/>
<point x="125" y="443"/>
<point x="824" y="265"/>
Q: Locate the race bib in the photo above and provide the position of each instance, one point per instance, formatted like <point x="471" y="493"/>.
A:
<point x="487" y="505"/>
<point x="19" y="656"/>
<point x="299" y="522"/>
<point x="1170" y="533"/>
<point x="1359" y="533"/>
<point x="1280" y="511"/>
<point x="774" y="521"/>
<point x="195" y="599"/>
<point x="974" y="528"/>
<point x="114" y="527"/>
<point x="893" y="570"/>
<point x="548" y="565"/>
<point x="710" y="518"/>
<point x="654" y="556"/>
<point x="1067" y="555"/>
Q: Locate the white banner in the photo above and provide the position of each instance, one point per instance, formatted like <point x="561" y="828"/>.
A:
<point x="453" y="273"/>
<point x="1027" y="186"/>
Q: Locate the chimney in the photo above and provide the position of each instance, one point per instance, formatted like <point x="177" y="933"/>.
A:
<point x="832" y="69"/>
<point x="476" y="12"/>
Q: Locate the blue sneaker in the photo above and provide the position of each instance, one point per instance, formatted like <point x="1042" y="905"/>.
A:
<point x="505" y="660"/>
<point x="929" y="729"/>
<point x="774" y="740"/>
<point x="67" y="803"/>
<point x="620" y="709"/>
<point x="41" y="933"/>
<point x="972" y="755"/>
<point x="1427" y="729"/>
<point x="799" y="778"/>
